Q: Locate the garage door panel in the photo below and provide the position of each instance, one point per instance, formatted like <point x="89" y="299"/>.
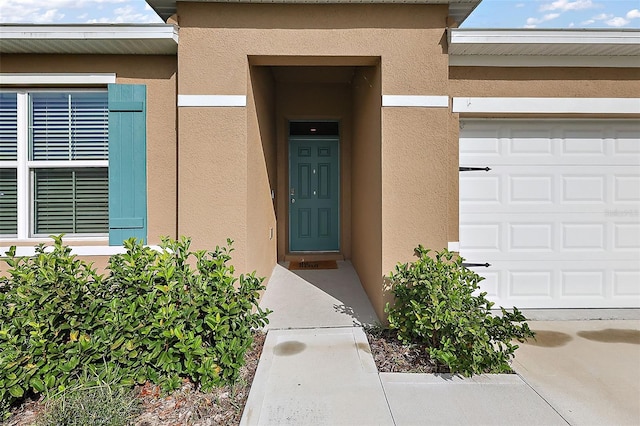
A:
<point x="576" y="284"/>
<point x="625" y="283"/>
<point x="538" y="189"/>
<point x="626" y="189"/>
<point x="549" y="236"/>
<point x="558" y="142"/>
<point x="558" y="215"/>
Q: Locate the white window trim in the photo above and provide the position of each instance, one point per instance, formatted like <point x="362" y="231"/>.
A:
<point x="66" y="79"/>
<point x="89" y="250"/>
<point x="547" y="105"/>
<point x="212" y="100"/>
<point x="24" y="166"/>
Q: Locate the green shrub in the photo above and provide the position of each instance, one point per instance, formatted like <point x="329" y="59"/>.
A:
<point x="437" y="304"/>
<point x="155" y="317"/>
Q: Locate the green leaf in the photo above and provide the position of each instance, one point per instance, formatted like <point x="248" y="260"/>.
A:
<point x="16" y="391"/>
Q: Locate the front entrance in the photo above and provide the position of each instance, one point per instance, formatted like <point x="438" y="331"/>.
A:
<point x="314" y="193"/>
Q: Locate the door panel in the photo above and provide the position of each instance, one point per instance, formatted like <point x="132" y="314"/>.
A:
<point x="314" y="194"/>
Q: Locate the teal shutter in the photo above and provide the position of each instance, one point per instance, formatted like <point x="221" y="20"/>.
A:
<point x="127" y="163"/>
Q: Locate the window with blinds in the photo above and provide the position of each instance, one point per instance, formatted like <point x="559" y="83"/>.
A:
<point x="8" y="164"/>
<point x="69" y="126"/>
<point x="60" y="158"/>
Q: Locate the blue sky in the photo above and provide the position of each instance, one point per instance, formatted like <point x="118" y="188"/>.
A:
<point x="490" y="13"/>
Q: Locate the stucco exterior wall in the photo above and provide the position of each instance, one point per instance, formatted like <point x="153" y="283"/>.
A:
<point x="544" y="82"/>
<point x="216" y="38"/>
<point x="261" y="172"/>
<point x="218" y="44"/>
<point x="212" y="177"/>
<point x="366" y="172"/>
<point x="158" y="73"/>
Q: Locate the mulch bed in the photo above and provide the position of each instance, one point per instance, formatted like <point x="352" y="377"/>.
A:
<point x="393" y="356"/>
<point x="224" y="406"/>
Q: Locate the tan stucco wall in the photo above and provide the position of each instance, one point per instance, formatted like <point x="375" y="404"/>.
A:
<point x="366" y="172"/>
<point x="544" y="82"/>
<point x="219" y="42"/>
<point x="158" y="73"/>
<point x="261" y="172"/>
<point x="212" y="177"/>
<point x="216" y="38"/>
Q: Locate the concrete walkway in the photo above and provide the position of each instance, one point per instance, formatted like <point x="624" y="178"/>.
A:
<point x="588" y="370"/>
<point x="317" y="298"/>
<point x="316" y="369"/>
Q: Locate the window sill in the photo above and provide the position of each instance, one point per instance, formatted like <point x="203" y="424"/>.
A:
<point x="80" y="247"/>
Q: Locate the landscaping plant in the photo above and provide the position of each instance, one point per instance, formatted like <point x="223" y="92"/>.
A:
<point x="437" y="304"/>
<point x="92" y="401"/>
<point x="154" y="317"/>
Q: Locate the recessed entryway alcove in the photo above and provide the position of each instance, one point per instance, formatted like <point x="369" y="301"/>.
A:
<point x="345" y="91"/>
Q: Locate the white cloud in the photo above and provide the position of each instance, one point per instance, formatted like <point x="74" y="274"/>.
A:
<point x="547" y="17"/>
<point x="602" y="17"/>
<point x="588" y="22"/>
<point x="127" y="14"/>
<point x="632" y="14"/>
<point x="565" y="5"/>
<point x="618" y="21"/>
<point x="47" y="17"/>
<point x="45" y="11"/>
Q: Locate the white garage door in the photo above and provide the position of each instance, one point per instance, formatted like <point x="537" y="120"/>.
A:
<point x="558" y="215"/>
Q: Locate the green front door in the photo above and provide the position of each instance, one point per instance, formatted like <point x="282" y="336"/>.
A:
<point x="314" y="194"/>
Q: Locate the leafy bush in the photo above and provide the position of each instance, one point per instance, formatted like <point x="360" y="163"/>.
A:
<point x="155" y="317"/>
<point x="437" y="304"/>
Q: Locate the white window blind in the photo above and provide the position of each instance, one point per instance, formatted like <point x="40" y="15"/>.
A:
<point x="54" y="149"/>
<point x="8" y="171"/>
<point x="69" y="126"/>
<point x="8" y="126"/>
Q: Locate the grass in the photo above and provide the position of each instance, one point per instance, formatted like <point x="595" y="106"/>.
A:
<point x="101" y="404"/>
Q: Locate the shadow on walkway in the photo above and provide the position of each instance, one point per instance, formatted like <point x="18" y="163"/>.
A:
<point x="317" y="298"/>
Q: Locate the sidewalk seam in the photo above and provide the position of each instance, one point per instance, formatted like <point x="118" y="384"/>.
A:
<point x="543" y="398"/>
<point x="384" y="392"/>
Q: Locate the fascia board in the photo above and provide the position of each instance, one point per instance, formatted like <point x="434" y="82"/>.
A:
<point x="85" y="32"/>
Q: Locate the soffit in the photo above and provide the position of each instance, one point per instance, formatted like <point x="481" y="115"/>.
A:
<point x="459" y="10"/>
<point x="120" y="39"/>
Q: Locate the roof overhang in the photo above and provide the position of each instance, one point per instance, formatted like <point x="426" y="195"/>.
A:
<point x="538" y="47"/>
<point x="459" y="10"/>
<point x="111" y="39"/>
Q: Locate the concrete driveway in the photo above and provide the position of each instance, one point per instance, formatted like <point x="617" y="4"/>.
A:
<point x="589" y="371"/>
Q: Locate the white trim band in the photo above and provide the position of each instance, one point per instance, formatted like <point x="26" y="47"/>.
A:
<point x="24" y="79"/>
<point x="77" y="250"/>
<point x="453" y="246"/>
<point x="547" y="105"/>
<point x="415" y="101"/>
<point x="212" y="100"/>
